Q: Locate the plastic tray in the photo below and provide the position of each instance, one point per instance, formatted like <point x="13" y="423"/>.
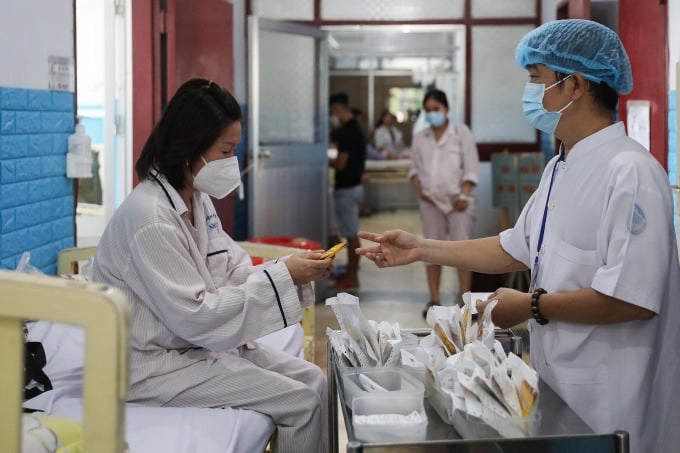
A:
<point x="401" y="405"/>
<point x="397" y="382"/>
<point x="470" y="427"/>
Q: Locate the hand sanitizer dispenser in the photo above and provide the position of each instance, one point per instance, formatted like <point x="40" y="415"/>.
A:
<point x="79" y="156"/>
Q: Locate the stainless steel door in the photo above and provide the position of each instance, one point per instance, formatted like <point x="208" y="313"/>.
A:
<point x="287" y="129"/>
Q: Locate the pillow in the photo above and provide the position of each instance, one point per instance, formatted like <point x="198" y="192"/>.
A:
<point x="64" y="346"/>
<point x="47" y="434"/>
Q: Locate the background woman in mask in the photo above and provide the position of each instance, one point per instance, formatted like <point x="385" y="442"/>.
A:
<point x="444" y="170"/>
<point x="198" y="304"/>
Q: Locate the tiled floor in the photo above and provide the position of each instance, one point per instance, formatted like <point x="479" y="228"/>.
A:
<point x="393" y="295"/>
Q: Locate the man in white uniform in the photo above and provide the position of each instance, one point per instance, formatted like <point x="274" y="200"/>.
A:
<point x="197" y="302"/>
<point x="603" y="307"/>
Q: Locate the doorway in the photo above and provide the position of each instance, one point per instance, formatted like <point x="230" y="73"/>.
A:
<point x="391" y="67"/>
<point x="103" y="107"/>
<point x="287" y="146"/>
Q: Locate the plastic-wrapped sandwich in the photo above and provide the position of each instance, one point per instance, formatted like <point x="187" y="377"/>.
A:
<point x="364" y="343"/>
<point x="473" y="384"/>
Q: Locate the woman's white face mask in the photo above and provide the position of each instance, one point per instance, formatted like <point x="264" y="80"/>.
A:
<point x="218" y="178"/>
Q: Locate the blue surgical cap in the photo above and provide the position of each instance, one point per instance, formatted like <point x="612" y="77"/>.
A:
<point x="576" y="45"/>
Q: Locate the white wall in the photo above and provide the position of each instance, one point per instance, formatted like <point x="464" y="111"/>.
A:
<point x="91" y="52"/>
<point x="32" y="30"/>
<point x="673" y="41"/>
<point x="548" y="10"/>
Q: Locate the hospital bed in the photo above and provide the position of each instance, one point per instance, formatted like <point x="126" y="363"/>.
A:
<point x="107" y="420"/>
<point x="387" y="185"/>
<point x="96" y="308"/>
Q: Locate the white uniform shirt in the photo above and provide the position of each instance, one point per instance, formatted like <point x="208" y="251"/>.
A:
<point x="192" y="290"/>
<point x="384" y="139"/>
<point x="610" y="227"/>
<point x="442" y="166"/>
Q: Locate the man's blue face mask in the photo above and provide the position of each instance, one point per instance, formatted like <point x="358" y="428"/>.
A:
<point x="535" y="113"/>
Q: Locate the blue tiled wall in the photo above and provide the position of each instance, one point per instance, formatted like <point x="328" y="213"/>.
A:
<point x="36" y="198"/>
<point x="673" y="147"/>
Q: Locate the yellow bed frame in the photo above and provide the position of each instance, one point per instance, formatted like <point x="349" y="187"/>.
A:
<point x="68" y="260"/>
<point x="105" y="315"/>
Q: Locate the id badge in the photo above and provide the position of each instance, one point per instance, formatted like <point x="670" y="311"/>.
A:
<point x="534" y="277"/>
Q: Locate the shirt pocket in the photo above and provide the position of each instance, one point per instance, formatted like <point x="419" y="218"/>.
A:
<point x="218" y="259"/>
<point x="586" y="391"/>
<point x="576" y="255"/>
<point x="573" y="267"/>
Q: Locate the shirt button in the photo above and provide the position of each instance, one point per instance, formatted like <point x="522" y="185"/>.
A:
<point x="551" y="205"/>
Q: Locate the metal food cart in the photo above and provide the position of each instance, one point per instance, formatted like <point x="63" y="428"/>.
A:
<point x="559" y="430"/>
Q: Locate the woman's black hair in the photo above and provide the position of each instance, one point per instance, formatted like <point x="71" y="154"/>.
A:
<point x="437" y="95"/>
<point x="381" y="118"/>
<point x="192" y="121"/>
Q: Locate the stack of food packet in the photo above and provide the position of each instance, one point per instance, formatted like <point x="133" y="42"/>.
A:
<point x="362" y="343"/>
<point x="465" y="368"/>
<point x="470" y="372"/>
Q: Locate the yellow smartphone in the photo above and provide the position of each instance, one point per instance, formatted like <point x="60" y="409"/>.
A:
<point x="330" y="253"/>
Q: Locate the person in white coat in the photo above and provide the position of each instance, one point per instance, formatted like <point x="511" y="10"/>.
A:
<point x="598" y="236"/>
<point x="387" y="138"/>
<point x="198" y="303"/>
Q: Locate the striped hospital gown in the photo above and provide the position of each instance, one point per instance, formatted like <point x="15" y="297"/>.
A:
<point x="198" y="308"/>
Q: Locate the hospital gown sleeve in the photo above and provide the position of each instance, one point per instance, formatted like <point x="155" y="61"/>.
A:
<point x="636" y="234"/>
<point x="164" y="275"/>
<point x="243" y="269"/>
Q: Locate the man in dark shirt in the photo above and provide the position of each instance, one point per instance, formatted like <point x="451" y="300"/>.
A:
<point x="350" y="141"/>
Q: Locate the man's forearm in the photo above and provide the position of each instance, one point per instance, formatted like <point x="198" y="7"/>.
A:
<point x="587" y="306"/>
<point x="479" y="255"/>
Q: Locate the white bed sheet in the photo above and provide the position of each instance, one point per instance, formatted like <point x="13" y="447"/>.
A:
<point x="396" y="164"/>
<point x="184" y="430"/>
<point x="154" y="429"/>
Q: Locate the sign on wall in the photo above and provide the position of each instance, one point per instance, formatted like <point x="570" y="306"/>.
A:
<point x="61" y="73"/>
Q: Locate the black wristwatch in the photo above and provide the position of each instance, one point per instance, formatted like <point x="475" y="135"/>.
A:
<point x="534" y="306"/>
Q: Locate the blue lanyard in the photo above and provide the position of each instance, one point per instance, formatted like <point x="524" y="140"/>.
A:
<point x="545" y="216"/>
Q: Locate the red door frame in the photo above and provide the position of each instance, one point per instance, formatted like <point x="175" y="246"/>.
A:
<point x="203" y="47"/>
<point x="643" y="28"/>
<point x="153" y="60"/>
<point x="174" y="40"/>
